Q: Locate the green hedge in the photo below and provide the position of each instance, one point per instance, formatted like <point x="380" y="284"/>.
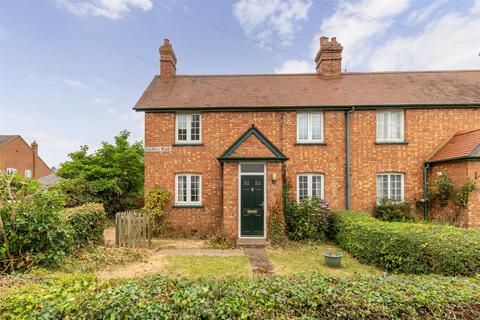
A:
<point x="88" y="222"/>
<point x="306" y="297"/>
<point x="408" y="247"/>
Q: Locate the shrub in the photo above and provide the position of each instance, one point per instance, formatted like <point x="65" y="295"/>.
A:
<point x="156" y="200"/>
<point x="276" y="225"/>
<point x="309" y="220"/>
<point x="408" y="247"/>
<point x="31" y="229"/>
<point x="277" y="297"/>
<point x="88" y="222"/>
<point x="389" y="210"/>
<point x="220" y="241"/>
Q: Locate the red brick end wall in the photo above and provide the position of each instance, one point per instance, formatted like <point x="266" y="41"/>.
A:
<point x="474" y="199"/>
<point x="17" y="154"/>
<point x="425" y="131"/>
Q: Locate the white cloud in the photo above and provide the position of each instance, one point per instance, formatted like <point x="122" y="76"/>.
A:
<point x="72" y="83"/>
<point x="426" y="52"/>
<point x="476" y="7"/>
<point x="268" y="18"/>
<point x="111" y="9"/>
<point x="422" y="14"/>
<point x="357" y="25"/>
<point x="99" y="100"/>
<point x="295" y="66"/>
<point x="52" y="148"/>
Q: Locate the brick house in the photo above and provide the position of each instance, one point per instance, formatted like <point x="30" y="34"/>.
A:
<point x="16" y="156"/>
<point x="225" y="144"/>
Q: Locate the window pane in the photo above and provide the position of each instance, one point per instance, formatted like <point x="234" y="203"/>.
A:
<point x="182" y="127"/>
<point x="316" y="126"/>
<point x="396" y="187"/>
<point x="252" y="167"/>
<point x="316" y="186"/>
<point x="195" y="128"/>
<point x="302" y="126"/>
<point x="384" y="125"/>
<point x="195" y="189"/>
<point x="382" y="186"/>
<point x="302" y="187"/>
<point x="182" y="189"/>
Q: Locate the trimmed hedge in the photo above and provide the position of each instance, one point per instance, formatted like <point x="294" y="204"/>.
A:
<point x="306" y="297"/>
<point x="88" y="222"/>
<point x="408" y="247"/>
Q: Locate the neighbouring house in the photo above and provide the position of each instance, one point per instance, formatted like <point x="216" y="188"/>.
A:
<point x="224" y="145"/>
<point x="16" y="156"/>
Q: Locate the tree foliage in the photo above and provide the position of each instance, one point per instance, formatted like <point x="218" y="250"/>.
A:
<point x="112" y="175"/>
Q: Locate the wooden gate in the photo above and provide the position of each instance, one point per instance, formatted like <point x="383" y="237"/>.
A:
<point x="133" y="229"/>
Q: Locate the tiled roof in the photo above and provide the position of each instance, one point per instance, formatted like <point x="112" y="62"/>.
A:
<point x="304" y="90"/>
<point x="464" y="144"/>
<point x="6" y="138"/>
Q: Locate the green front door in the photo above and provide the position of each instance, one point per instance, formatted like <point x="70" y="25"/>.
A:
<point x="252" y="204"/>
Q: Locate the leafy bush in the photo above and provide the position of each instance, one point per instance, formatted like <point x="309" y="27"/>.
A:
<point x="220" y="241"/>
<point x="112" y="175"/>
<point x="276" y="225"/>
<point x="31" y="231"/>
<point x="88" y="222"/>
<point x="461" y="198"/>
<point x="389" y="210"/>
<point x="309" y="219"/>
<point x="306" y="297"/>
<point x="408" y="247"/>
<point x="156" y="200"/>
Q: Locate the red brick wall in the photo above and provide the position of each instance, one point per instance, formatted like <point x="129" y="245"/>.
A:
<point x="425" y="131"/>
<point x="17" y="154"/>
<point x="474" y="199"/>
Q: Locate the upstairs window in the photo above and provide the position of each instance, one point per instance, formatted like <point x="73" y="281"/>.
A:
<point x="188" y="188"/>
<point x="390" y="126"/>
<point x="310" y="127"/>
<point x="28" y="173"/>
<point x="11" y="171"/>
<point x="309" y="185"/>
<point x="188" y="128"/>
<point x="390" y="186"/>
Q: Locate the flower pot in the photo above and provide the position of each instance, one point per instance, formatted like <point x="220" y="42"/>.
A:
<point x="333" y="260"/>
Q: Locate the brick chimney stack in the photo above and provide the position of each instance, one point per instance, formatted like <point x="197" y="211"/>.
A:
<point x="329" y="58"/>
<point x="168" y="61"/>
<point x="34" y="146"/>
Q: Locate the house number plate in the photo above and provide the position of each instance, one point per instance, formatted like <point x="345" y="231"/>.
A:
<point x="251" y="211"/>
<point x="158" y="149"/>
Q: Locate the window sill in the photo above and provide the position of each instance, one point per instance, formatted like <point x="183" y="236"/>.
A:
<point x="390" y="142"/>
<point x="187" y="144"/>
<point x="194" y="206"/>
<point x="310" y="143"/>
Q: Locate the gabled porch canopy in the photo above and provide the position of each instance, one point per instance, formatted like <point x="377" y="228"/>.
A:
<point x="269" y="153"/>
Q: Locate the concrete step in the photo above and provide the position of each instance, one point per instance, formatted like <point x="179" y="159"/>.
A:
<point x="245" y="242"/>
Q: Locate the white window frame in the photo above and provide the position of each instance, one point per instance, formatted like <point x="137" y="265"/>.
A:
<point x="189" y="127"/>
<point x="28" y="173"/>
<point x="10" y="171"/>
<point x="309" y="184"/>
<point x="189" y="202"/>
<point x="389" y="189"/>
<point x="310" y="128"/>
<point x="388" y="137"/>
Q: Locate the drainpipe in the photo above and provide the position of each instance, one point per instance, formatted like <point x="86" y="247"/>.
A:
<point x="347" y="161"/>
<point x="426" y="166"/>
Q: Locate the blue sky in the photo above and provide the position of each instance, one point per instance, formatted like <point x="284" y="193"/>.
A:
<point x="71" y="70"/>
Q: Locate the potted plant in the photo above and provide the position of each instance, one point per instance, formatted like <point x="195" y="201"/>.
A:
<point x="332" y="258"/>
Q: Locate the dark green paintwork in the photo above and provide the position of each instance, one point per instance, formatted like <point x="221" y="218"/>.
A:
<point x="252" y="204"/>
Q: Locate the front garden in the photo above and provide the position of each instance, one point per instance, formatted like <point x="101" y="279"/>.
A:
<point x="55" y="265"/>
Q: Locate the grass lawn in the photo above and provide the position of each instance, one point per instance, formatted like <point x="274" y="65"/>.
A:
<point x="308" y="257"/>
<point x="207" y="266"/>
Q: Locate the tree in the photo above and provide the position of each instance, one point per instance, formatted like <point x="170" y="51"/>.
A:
<point x="112" y="175"/>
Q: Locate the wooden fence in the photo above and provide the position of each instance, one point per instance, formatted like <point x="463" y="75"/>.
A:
<point x="133" y="229"/>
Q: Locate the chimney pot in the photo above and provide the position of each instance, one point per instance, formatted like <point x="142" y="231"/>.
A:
<point x="168" y="60"/>
<point x="329" y="58"/>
